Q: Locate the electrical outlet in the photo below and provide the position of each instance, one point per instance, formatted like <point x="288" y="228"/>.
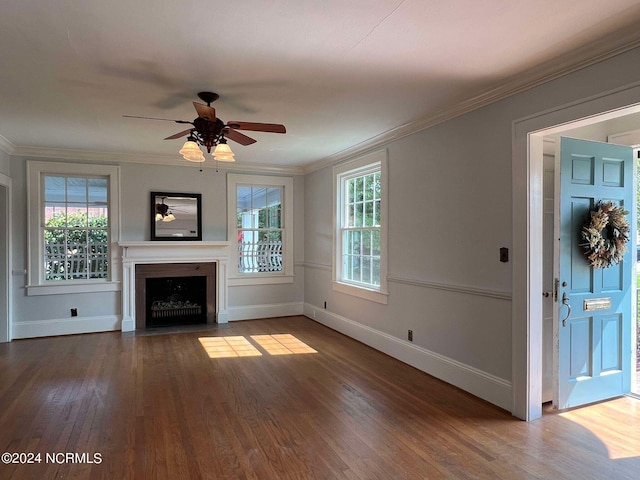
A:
<point x="410" y="335"/>
<point x="74" y="312"/>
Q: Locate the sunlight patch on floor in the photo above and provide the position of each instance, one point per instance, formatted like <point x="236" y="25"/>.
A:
<point x="618" y="436"/>
<point x="240" y="346"/>
<point x="282" y="344"/>
<point x="226" y="347"/>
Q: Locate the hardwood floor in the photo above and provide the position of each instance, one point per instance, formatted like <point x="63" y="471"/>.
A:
<point x="174" y="406"/>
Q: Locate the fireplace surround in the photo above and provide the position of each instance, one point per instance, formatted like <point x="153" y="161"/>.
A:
<point x="179" y="257"/>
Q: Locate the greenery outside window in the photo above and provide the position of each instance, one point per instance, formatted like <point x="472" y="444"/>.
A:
<point x="360" y="238"/>
<point x="73" y="227"/>
<point x="76" y="228"/>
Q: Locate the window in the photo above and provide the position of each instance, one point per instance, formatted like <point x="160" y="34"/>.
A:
<point x="259" y="217"/>
<point x="76" y="227"/>
<point x="72" y="227"/>
<point x="261" y="228"/>
<point x="360" y="237"/>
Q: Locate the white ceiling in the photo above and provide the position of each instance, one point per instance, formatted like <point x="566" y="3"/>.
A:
<point x="337" y="73"/>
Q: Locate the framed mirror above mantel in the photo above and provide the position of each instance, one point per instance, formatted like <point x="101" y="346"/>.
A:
<point x="176" y="216"/>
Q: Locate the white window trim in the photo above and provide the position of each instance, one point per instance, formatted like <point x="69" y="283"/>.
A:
<point x="237" y="278"/>
<point x="379" y="295"/>
<point x="35" y="274"/>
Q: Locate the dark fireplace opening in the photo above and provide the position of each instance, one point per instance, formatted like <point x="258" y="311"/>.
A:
<point x="170" y="294"/>
<point x="176" y="301"/>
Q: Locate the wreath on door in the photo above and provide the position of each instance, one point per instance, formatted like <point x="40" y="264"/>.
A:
<point x="606" y="235"/>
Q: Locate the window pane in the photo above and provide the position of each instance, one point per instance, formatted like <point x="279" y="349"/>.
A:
<point x="98" y="259"/>
<point x="359" y="189"/>
<point x="98" y="190"/>
<point x="244" y="197"/>
<point x="359" y="214"/>
<point x="366" y="243"/>
<point x="55" y="254"/>
<point x="366" y="269"/>
<point x="55" y="214"/>
<point x="77" y="216"/>
<point x="54" y="189"/>
<point x="377" y="213"/>
<point x="77" y="190"/>
<point x="351" y="186"/>
<point x="375" y="271"/>
<point x="351" y="216"/>
<point x="356" y="243"/>
<point x="375" y="243"/>
<point x="368" y="214"/>
<point x="274" y="196"/>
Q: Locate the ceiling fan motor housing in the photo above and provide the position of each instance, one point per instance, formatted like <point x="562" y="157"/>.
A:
<point x="208" y="131"/>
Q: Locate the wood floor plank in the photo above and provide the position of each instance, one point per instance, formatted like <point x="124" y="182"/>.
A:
<point x="163" y="406"/>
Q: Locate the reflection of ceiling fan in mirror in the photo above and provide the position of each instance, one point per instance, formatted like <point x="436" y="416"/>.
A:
<point x="185" y="208"/>
<point x="210" y="131"/>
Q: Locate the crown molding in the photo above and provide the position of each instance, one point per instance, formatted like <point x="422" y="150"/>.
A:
<point x="6" y="146"/>
<point x="590" y="54"/>
<point x="90" y="156"/>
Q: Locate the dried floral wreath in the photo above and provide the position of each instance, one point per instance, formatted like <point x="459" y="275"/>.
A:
<point x="606" y="234"/>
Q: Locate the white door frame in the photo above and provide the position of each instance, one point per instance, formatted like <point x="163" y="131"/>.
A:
<point x="5" y="330"/>
<point x="527" y="176"/>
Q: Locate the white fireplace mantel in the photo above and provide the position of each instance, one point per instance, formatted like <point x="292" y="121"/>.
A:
<point x="134" y="253"/>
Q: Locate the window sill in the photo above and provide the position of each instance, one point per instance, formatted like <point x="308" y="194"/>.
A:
<point x="35" y="290"/>
<point x="259" y="280"/>
<point x="377" y="296"/>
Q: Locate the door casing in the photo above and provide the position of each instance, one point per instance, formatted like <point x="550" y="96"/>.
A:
<point x="527" y="179"/>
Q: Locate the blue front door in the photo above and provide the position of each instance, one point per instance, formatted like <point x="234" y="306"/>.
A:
<point x="593" y="321"/>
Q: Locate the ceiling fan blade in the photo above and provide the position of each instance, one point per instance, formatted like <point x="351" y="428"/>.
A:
<point x="205" y="111"/>
<point x="179" y="134"/>
<point x="154" y="118"/>
<point x="258" y="127"/>
<point x="241" y="138"/>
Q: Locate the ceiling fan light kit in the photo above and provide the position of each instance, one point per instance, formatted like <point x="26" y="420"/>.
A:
<point x="209" y="131"/>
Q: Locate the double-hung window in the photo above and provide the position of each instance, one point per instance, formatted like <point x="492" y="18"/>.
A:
<point x="360" y="236"/>
<point x="260" y="228"/>
<point x="71" y="227"/>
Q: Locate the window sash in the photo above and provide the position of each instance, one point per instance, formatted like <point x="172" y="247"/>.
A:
<point x="69" y="251"/>
<point x="360" y="219"/>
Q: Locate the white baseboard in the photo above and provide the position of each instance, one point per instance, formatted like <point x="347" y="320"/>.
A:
<point x="477" y="382"/>
<point x="65" y="326"/>
<point x="251" y="312"/>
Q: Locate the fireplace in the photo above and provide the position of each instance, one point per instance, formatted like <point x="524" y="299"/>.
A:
<point x="173" y="264"/>
<point x="169" y="294"/>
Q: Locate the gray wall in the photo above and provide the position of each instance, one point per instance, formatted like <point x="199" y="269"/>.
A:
<point x="136" y="181"/>
<point x="450" y="211"/>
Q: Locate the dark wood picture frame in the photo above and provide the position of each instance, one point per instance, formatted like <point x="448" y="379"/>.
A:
<point x="176" y="216"/>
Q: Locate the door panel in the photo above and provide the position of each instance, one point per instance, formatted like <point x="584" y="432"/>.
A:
<point x="594" y="347"/>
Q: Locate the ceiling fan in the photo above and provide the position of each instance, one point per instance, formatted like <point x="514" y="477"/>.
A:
<point x="210" y="131"/>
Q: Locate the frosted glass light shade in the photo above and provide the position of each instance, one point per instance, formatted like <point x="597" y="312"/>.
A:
<point x="169" y="218"/>
<point x="191" y="151"/>
<point x="224" y="158"/>
<point x="223" y="153"/>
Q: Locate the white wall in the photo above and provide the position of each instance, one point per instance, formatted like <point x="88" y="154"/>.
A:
<point x="50" y="314"/>
<point x="451" y="193"/>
